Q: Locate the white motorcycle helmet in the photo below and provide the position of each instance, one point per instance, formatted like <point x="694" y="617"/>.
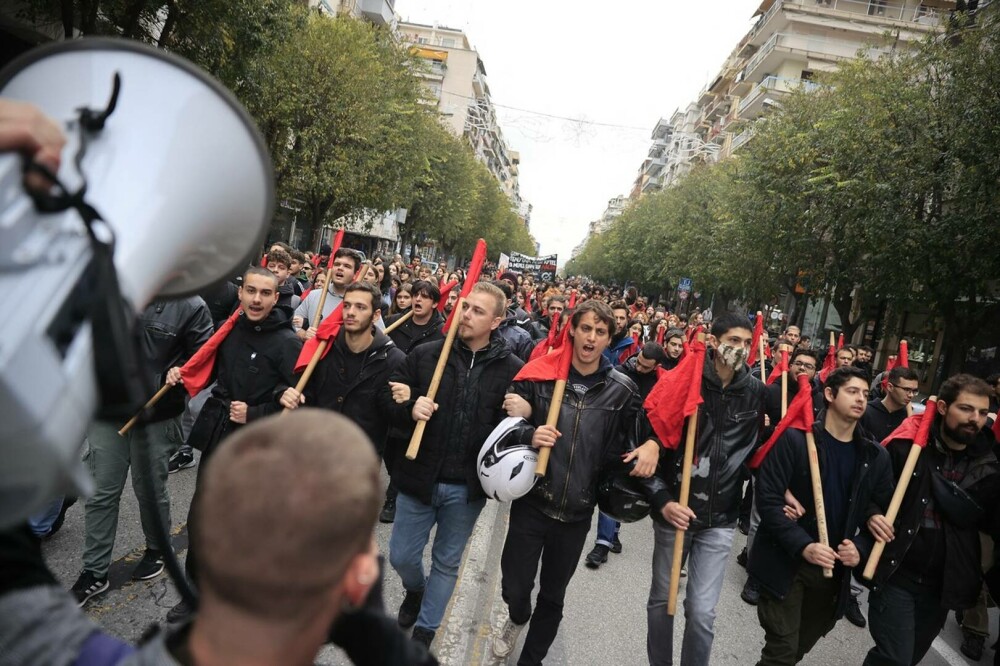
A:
<point x="506" y="468"/>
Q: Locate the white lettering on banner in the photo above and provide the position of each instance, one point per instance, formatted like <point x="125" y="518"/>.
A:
<point x="544" y="268"/>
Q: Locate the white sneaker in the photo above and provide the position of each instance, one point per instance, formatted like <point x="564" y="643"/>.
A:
<point x="503" y="642"/>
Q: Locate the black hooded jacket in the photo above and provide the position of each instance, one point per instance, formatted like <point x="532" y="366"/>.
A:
<point x="408" y="335"/>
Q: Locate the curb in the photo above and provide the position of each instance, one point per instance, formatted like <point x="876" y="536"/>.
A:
<point x="464" y="635"/>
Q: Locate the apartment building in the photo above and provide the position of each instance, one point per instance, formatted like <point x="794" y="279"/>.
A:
<point x="379" y="12"/>
<point x="455" y="78"/>
<point x="790" y="42"/>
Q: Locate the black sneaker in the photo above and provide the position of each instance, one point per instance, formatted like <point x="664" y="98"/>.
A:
<point x="750" y="593"/>
<point x="410" y="609"/>
<point x="854" y="614"/>
<point x="597" y="557"/>
<point x="183" y="459"/>
<point x="388" y="514"/>
<point x="741" y="559"/>
<point x="150" y="566"/>
<point x="88" y="586"/>
<point x="743" y="524"/>
<point x="180" y="613"/>
<point x="616" y="545"/>
<point x="972" y="645"/>
<point x="423" y="636"/>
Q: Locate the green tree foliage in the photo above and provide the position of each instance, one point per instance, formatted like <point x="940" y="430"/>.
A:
<point x="884" y="183"/>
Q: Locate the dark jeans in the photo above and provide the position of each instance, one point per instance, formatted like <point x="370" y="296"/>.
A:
<point x="903" y="624"/>
<point x="793" y="625"/>
<point x="533" y="536"/>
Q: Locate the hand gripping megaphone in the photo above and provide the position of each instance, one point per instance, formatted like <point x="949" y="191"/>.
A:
<point x="165" y="187"/>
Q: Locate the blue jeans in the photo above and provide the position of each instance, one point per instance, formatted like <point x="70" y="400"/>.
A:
<point x="607" y="530"/>
<point x="42" y="522"/>
<point x="706" y="551"/>
<point x="903" y="624"/>
<point x="455" y="516"/>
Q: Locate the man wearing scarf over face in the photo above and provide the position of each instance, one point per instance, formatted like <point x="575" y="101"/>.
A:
<point x="730" y="421"/>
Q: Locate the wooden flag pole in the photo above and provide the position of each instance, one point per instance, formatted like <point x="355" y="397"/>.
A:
<point x="817" y="488"/>
<point x="784" y="384"/>
<point x="399" y="322"/>
<point x="551" y="419"/>
<point x="760" y="355"/>
<point x="833" y="340"/>
<point x="679" y="535"/>
<point x="307" y="373"/>
<point x="896" y="501"/>
<point x="418" y="432"/>
<point x="152" y="401"/>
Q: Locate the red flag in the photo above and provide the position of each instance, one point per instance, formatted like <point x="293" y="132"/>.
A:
<point x="829" y="363"/>
<point x="263" y="261"/>
<point x="890" y="363"/>
<point x="338" y="240"/>
<point x="916" y="428"/>
<point x="315" y="260"/>
<point x="548" y="367"/>
<point x="758" y="333"/>
<point x="197" y="372"/>
<point x="676" y="396"/>
<point x="527" y="302"/>
<point x="327" y="330"/>
<point x="996" y="428"/>
<point x="778" y="369"/>
<point x="799" y="416"/>
<point x="572" y="300"/>
<point x="904" y="354"/>
<point x="660" y="332"/>
<point x="553" y="340"/>
<point x="471" y="278"/>
<point x="840" y="342"/>
<point x="445" y="288"/>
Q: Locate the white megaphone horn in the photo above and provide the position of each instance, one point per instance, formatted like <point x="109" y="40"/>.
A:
<point x="183" y="182"/>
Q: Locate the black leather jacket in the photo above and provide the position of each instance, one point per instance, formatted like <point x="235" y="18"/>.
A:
<point x="597" y="426"/>
<point x="730" y="421"/>
<point x="169" y="333"/>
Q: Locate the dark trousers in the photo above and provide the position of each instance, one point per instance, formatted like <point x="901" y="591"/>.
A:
<point x="793" y="625"/>
<point x="533" y="536"/>
<point x="903" y="624"/>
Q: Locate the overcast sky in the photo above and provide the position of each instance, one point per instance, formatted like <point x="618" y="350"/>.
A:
<point x="619" y="62"/>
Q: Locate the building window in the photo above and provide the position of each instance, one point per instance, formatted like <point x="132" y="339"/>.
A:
<point x="422" y="40"/>
<point x="448" y="41"/>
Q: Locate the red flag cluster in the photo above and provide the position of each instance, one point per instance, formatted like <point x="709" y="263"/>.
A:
<point x="829" y="363"/>
<point x="676" y="396"/>
<point x="758" y="333"/>
<point x="916" y="428"/>
<point x="799" y="416"/>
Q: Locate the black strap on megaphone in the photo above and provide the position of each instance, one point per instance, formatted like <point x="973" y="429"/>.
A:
<point x="121" y="379"/>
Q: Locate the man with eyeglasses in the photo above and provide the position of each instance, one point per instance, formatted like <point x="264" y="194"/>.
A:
<point x="883" y="416"/>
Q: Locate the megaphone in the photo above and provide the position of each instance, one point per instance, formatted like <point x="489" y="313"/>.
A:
<point x="182" y="182"/>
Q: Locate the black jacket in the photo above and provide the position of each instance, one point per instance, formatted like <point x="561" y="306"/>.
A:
<point x="730" y="420"/>
<point x="470" y="405"/>
<point x="644" y="382"/>
<point x="597" y="425"/>
<point x="962" y="575"/>
<point x="409" y="335"/>
<point x="879" y="422"/>
<point x="518" y="339"/>
<point x="773" y="401"/>
<point x="778" y="545"/>
<point x="254" y="364"/>
<point x="365" y="397"/>
<point x="170" y="332"/>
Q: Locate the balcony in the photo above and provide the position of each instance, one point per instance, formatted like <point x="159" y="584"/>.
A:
<point x="752" y="104"/>
<point x="781" y="45"/>
<point x="740" y="139"/>
<point x="653" y="166"/>
<point x="378" y="12"/>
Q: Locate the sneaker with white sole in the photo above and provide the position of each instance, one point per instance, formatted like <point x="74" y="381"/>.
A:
<point x="88" y="586"/>
<point x="150" y="566"/>
<point x="504" y="642"/>
<point x="183" y="459"/>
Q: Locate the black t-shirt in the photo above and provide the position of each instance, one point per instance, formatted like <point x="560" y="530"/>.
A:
<point x="838" y="476"/>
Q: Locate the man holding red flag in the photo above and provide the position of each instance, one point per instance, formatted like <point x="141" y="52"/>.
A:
<point x="932" y="561"/>
<point x="551" y="522"/>
<point x="346" y="263"/>
<point x="798" y="605"/>
<point x="730" y="420"/>
<point x="353" y="376"/>
<point x="169" y="333"/>
<point x="441" y="485"/>
<point x="253" y="366"/>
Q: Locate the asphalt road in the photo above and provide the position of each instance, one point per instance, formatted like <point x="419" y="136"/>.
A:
<point x="604" y="620"/>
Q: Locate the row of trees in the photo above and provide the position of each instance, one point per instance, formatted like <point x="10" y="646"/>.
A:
<point x="882" y="187"/>
<point x="339" y="104"/>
